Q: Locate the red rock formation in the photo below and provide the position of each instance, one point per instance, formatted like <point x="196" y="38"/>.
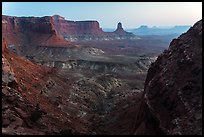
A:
<point x="121" y="33"/>
<point x="24" y="110"/>
<point x="4" y="45"/>
<point x="31" y="30"/>
<point x="173" y="89"/>
<point x="120" y="29"/>
<point x="66" y="27"/>
<point x="54" y="29"/>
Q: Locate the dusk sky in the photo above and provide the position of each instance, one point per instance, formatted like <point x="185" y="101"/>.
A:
<point x="131" y="14"/>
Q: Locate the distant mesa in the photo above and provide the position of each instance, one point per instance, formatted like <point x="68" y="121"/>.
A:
<point x="144" y="27"/>
<point x="145" y="30"/>
<point x="57" y="31"/>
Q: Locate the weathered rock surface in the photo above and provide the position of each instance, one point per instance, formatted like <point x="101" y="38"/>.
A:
<point x="21" y="112"/>
<point x="173" y="89"/>
<point x="8" y="76"/>
<point x="21" y="31"/>
<point x="54" y="31"/>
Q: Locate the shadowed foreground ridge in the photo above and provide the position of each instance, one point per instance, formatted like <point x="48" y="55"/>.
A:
<point x="21" y="112"/>
<point x="173" y="89"/>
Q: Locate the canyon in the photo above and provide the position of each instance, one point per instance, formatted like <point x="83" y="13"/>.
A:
<point x="62" y="77"/>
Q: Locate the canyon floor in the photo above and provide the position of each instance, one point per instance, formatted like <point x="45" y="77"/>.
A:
<point x="90" y="89"/>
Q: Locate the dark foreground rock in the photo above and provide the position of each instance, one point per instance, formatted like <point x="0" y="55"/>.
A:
<point x="173" y="89"/>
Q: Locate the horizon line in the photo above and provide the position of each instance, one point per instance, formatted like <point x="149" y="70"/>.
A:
<point x="148" y="26"/>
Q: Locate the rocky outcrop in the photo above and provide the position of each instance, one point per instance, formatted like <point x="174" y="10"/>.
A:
<point x="4" y="45"/>
<point x="20" y="31"/>
<point x="74" y="28"/>
<point x="173" y="89"/>
<point x="55" y="31"/>
<point x="120" y="29"/>
<point x="8" y="76"/>
<point x="87" y="30"/>
<point x="138" y="67"/>
<point x="22" y="111"/>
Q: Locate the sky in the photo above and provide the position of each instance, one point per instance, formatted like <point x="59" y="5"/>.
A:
<point x="108" y="14"/>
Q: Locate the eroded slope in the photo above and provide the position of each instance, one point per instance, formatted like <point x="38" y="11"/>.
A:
<point x="173" y="89"/>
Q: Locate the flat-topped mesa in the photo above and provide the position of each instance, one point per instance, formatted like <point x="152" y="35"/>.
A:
<point x="88" y="27"/>
<point x="32" y="30"/>
<point x="75" y="30"/>
<point x="55" y="28"/>
<point x="87" y="30"/>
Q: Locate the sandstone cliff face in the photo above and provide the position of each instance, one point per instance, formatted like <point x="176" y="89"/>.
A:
<point x="66" y="27"/>
<point x="87" y="30"/>
<point x="55" y="31"/>
<point x="20" y="31"/>
<point x="173" y="88"/>
<point x="24" y="24"/>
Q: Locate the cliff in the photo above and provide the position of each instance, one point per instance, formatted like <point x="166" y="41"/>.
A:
<point x="173" y="89"/>
<point x="21" y="31"/>
<point x="67" y="27"/>
<point x="54" y="31"/>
